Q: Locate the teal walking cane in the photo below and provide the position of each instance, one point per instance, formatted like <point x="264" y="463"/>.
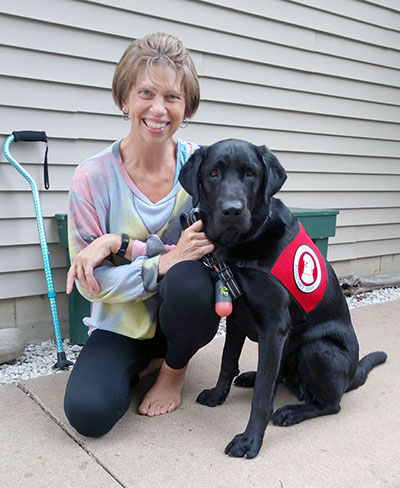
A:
<point x="36" y="136"/>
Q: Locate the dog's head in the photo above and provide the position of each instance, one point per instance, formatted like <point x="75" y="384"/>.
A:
<point x="232" y="181"/>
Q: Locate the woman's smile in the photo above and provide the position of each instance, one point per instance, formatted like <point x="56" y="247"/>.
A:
<point x="155" y="125"/>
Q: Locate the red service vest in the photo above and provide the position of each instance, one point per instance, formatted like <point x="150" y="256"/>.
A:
<point x="301" y="269"/>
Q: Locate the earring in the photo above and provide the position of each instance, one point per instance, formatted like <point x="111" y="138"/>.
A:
<point x="125" y="114"/>
<point x="185" y="123"/>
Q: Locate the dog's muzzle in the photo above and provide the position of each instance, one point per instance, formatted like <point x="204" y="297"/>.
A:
<point x="232" y="210"/>
<point x="231" y="219"/>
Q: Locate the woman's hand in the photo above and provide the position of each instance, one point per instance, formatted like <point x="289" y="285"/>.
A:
<point x="192" y="245"/>
<point x="85" y="261"/>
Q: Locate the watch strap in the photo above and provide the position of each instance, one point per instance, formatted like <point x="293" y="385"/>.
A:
<point x="124" y="245"/>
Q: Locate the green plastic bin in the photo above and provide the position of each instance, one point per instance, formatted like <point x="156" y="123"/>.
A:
<point x="320" y="224"/>
<point x="78" y="307"/>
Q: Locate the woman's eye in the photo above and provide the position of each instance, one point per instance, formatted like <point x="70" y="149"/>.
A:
<point x="214" y="173"/>
<point x="173" y="97"/>
<point x="145" y="93"/>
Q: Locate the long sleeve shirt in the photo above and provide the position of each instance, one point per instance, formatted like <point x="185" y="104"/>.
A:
<point x="103" y="199"/>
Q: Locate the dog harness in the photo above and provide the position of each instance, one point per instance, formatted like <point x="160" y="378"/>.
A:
<point x="302" y="271"/>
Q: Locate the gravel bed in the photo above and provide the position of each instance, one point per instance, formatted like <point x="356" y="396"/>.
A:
<point x="38" y="359"/>
<point x="372" y="297"/>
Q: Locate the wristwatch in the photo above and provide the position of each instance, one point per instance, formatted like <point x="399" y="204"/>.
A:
<point x="124" y="245"/>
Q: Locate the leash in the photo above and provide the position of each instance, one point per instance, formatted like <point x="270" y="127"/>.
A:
<point x="225" y="274"/>
<point x="226" y="287"/>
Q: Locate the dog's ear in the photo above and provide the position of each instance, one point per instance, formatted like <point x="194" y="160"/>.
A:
<point x="274" y="172"/>
<point x="189" y="175"/>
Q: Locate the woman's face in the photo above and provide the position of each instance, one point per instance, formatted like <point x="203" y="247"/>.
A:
<point x="156" y="104"/>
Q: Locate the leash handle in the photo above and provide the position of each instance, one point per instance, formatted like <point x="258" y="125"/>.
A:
<point x="35" y="136"/>
<point x="188" y="219"/>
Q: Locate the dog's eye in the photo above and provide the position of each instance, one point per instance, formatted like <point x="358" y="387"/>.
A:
<point x="214" y="173"/>
<point x="250" y="173"/>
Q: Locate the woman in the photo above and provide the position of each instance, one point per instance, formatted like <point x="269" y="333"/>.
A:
<point x="152" y="297"/>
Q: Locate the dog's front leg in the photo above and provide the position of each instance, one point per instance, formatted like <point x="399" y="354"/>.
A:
<point x="234" y="341"/>
<point x="248" y="444"/>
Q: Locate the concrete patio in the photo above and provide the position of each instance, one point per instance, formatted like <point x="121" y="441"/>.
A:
<point x="358" y="448"/>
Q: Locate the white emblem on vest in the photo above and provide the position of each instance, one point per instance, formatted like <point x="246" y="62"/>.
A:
<point x="306" y="269"/>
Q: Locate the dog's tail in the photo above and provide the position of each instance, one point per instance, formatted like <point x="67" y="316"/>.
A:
<point x="364" y="367"/>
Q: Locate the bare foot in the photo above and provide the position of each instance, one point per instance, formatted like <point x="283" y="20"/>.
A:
<point x="165" y="395"/>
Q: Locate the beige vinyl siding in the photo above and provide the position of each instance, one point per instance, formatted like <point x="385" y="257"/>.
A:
<point x="316" y="81"/>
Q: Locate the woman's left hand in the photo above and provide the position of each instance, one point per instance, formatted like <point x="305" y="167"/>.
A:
<point x="192" y="245"/>
<point x="86" y="260"/>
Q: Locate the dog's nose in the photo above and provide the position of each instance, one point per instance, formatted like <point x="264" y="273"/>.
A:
<point x="232" y="209"/>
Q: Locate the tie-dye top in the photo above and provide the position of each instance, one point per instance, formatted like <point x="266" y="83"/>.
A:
<point x="103" y="199"/>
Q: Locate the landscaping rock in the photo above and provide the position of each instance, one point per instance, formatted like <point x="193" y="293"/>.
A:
<point x="12" y="344"/>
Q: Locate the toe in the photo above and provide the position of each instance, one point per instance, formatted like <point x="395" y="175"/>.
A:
<point x="157" y="409"/>
<point x="143" y="409"/>
<point x="152" y="410"/>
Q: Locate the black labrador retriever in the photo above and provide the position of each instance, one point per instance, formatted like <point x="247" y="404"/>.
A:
<point x="292" y="304"/>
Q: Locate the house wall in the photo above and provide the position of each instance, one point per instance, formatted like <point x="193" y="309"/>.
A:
<point x="317" y="81"/>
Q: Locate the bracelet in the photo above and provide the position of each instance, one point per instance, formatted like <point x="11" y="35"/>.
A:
<point x="124" y="245"/>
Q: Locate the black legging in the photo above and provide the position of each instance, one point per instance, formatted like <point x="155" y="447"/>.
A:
<point x="99" y="389"/>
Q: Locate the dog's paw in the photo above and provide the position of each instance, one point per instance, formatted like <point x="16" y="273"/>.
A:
<point x="243" y="445"/>
<point x="246" y="380"/>
<point x="284" y="416"/>
<point x="212" y="397"/>
<point x="294" y="414"/>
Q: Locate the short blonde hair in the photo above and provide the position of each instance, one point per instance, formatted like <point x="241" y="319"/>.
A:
<point x="157" y="50"/>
